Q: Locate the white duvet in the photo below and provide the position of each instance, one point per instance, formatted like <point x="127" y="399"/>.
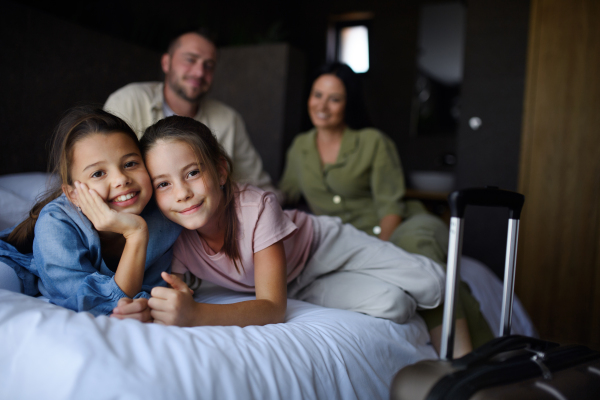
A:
<point x="48" y="352"/>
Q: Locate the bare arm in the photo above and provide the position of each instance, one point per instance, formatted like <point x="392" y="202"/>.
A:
<point x="177" y="307"/>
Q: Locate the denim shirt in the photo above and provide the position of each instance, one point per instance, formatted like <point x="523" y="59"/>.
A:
<point x="66" y="265"/>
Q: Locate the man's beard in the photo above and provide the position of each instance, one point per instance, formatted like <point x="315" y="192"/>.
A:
<point x="180" y="91"/>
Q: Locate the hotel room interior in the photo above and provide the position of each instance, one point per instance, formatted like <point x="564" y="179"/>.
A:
<point x="524" y="115"/>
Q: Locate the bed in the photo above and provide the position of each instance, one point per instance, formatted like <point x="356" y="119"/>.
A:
<point x="50" y="352"/>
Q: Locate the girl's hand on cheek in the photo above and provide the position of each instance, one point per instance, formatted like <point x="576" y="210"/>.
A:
<point x="173" y="306"/>
<point x="106" y="219"/>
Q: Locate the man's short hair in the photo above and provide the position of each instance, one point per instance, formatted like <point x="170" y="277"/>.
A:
<point x="202" y="32"/>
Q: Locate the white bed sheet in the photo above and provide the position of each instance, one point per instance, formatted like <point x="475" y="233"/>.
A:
<point x="48" y="352"/>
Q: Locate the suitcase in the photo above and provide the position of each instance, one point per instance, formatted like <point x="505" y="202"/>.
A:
<point x="508" y="367"/>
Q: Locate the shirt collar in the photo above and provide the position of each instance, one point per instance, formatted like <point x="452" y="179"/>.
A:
<point x="349" y="145"/>
<point x="158" y="103"/>
<point x="167" y="112"/>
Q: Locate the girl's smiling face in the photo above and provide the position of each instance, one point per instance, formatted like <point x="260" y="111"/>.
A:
<point x="112" y="165"/>
<point x="184" y="193"/>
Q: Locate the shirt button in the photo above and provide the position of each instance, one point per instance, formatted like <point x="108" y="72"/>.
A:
<point x="376" y="230"/>
<point x="337" y="199"/>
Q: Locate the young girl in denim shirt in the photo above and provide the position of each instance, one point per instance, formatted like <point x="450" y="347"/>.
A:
<point x="96" y="240"/>
<point x="237" y="236"/>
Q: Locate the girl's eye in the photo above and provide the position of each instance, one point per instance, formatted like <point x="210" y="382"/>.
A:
<point x="130" y="164"/>
<point x="193" y="173"/>
<point x="98" y="174"/>
<point x="162" y="185"/>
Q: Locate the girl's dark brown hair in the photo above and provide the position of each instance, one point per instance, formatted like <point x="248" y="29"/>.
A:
<point x="210" y="155"/>
<point x="77" y="123"/>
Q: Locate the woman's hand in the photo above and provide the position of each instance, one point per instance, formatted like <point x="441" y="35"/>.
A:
<point x="106" y="219"/>
<point x="132" y="309"/>
<point x="174" y="306"/>
<point x="388" y="224"/>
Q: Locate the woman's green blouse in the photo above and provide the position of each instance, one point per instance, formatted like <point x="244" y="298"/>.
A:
<point x="365" y="183"/>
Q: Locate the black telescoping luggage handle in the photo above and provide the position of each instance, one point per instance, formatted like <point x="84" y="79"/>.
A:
<point x="489" y="197"/>
<point x="500" y="345"/>
<point x="458" y="200"/>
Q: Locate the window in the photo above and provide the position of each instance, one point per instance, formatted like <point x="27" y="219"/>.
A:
<point x="354" y="47"/>
<point x="348" y="40"/>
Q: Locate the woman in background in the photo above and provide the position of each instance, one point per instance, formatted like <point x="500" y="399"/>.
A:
<point x="344" y="168"/>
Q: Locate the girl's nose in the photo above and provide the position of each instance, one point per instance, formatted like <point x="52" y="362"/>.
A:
<point x="183" y="193"/>
<point x="121" y="179"/>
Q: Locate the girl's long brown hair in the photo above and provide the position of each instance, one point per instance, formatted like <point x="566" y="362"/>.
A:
<point x="76" y="124"/>
<point x="210" y="155"/>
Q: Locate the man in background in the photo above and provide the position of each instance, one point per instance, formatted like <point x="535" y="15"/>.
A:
<point x="189" y="66"/>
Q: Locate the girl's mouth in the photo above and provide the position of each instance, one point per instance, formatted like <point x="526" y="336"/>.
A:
<point x="125" y="200"/>
<point x="191" y="209"/>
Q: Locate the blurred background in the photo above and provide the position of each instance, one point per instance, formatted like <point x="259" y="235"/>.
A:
<point x="474" y="93"/>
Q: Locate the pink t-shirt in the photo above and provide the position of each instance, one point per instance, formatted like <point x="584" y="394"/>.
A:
<point x="262" y="223"/>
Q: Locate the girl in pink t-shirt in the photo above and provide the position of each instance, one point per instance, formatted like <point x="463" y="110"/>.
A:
<point x="237" y="236"/>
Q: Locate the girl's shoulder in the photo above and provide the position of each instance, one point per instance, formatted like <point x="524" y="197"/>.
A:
<point x="60" y="221"/>
<point x="251" y="197"/>
<point x="61" y="208"/>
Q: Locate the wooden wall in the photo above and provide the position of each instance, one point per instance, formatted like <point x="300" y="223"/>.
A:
<point x="559" y="253"/>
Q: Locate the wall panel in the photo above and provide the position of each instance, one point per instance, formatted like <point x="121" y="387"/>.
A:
<point x="559" y="263"/>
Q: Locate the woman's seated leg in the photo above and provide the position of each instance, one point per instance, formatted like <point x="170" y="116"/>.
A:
<point x="423" y="234"/>
<point x="427" y="235"/>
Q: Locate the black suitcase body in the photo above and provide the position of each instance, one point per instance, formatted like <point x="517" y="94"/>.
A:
<point x="511" y="366"/>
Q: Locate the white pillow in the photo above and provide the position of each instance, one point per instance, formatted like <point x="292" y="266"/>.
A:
<point x="18" y="193"/>
<point x="13" y="208"/>
<point x="27" y="185"/>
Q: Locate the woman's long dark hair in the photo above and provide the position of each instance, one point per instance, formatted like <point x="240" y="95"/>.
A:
<point x="355" y="114"/>
<point x="77" y="123"/>
<point x="210" y="154"/>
